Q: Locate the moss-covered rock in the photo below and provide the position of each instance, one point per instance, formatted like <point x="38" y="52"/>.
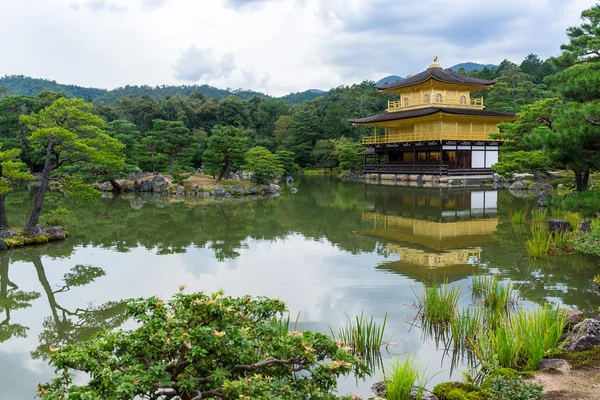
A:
<point x="24" y="238"/>
<point x="459" y="391"/>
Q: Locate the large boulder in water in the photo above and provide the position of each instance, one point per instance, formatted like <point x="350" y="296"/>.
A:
<point x="237" y="190"/>
<point x="273" y="189"/>
<point x="57" y="232"/>
<point x="160" y="184"/>
<point x="584" y="336"/>
<point x="218" y="192"/>
<point x="557" y="225"/>
<point x="519" y="185"/>
<point x="105" y="187"/>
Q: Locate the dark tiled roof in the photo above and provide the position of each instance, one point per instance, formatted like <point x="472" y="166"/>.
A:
<point x="438" y="74"/>
<point x="422" y="112"/>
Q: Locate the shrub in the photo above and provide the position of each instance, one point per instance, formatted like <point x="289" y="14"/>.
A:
<point x="403" y="376"/>
<point x="265" y="165"/>
<point x="586" y="203"/>
<point x="60" y="216"/>
<point x="458" y="391"/>
<point x="514" y="388"/>
<point x="588" y="243"/>
<point x="203" y="346"/>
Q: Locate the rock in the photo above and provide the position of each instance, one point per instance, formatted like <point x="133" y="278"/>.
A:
<point x="584" y="336"/>
<point x="519" y="185"/>
<point x="204" y="194"/>
<point x="247" y="175"/>
<point x="542" y="199"/>
<point x="555" y="364"/>
<point x="228" y="195"/>
<point x="3" y="245"/>
<point x="159" y="184"/>
<point x="497" y="178"/>
<point x="195" y="188"/>
<point x="557" y="225"/>
<point x="380" y="391"/>
<point x="218" y="192"/>
<point x="105" y="187"/>
<point x="6" y="234"/>
<point x="273" y="189"/>
<point x="36" y="231"/>
<point x="181" y="190"/>
<point x="58" y="232"/>
<point x="585" y="226"/>
<point x="293" y="190"/>
<point x="234" y="177"/>
<point x="237" y="190"/>
<point x="252" y="190"/>
<point x="573" y="318"/>
<point x="289" y="180"/>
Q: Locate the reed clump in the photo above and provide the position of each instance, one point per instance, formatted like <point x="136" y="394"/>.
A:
<point x="363" y="335"/>
<point x="402" y="376"/>
<point x="496" y="295"/>
<point x="538" y="245"/>
<point x="519" y="340"/>
<point x="438" y="304"/>
<point x="539" y="216"/>
<point x="517" y="216"/>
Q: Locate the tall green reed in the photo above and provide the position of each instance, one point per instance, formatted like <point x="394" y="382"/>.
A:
<point x="362" y="334"/>
<point x="402" y="376"/>
<point x="517" y="216"/>
<point x="538" y="245"/>
<point x="539" y="215"/>
<point x="438" y="304"/>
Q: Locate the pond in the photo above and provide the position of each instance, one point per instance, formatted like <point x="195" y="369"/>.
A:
<point x="332" y="251"/>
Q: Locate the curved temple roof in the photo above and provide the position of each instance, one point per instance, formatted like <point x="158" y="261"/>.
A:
<point x="422" y="112"/>
<point x="438" y="74"/>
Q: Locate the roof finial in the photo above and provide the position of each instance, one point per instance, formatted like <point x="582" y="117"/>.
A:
<point x="435" y="63"/>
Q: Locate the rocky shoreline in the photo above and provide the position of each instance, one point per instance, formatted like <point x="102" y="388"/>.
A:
<point x="194" y="186"/>
<point x="12" y="237"/>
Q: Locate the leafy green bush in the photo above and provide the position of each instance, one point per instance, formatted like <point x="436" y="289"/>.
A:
<point x="587" y="202"/>
<point x="514" y="388"/>
<point x="203" y="346"/>
<point x="265" y="165"/>
<point x="588" y="243"/>
<point x="459" y="391"/>
<point x="60" y="216"/>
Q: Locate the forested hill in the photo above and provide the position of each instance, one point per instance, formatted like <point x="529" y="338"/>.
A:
<point x="19" y="84"/>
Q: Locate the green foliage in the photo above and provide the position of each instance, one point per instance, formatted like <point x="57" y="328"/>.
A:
<point x="458" y="391"/>
<point x="521" y="161"/>
<point x="178" y="175"/>
<point x="206" y="346"/>
<point x="286" y="158"/>
<point x="265" y="165"/>
<point x="12" y="169"/>
<point x="323" y="154"/>
<point x="362" y="334"/>
<point x="515" y="388"/>
<point x="517" y="216"/>
<point x="348" y="157"/>
<point x="597" y="279"/>
<point x="225" y="150"/>
<point x="170" y="138"/>
<point x="586" y="203"/>
<point x="438" y="304"/>
<point x="60" y="216"/>
<point x="538" y="245"/>
<point x="496" y="295"/>
<point x="588" y="243"/>
<point x="578" y="359"/>
<point x="400" y="379"/>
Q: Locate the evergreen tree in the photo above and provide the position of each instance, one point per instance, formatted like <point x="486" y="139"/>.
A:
<point x="224" y="151"/>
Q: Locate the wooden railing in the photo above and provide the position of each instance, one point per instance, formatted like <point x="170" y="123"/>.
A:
<point x="398" y="105"/>
<point x="426" y="136"/>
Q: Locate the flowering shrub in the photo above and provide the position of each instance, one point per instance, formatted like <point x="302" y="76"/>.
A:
<point x="198" y="346"/>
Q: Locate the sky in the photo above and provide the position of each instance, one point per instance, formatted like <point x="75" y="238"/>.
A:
<point x="272" y="46"/>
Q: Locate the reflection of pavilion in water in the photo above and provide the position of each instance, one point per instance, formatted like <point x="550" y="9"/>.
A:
<point x="431" y="229"/>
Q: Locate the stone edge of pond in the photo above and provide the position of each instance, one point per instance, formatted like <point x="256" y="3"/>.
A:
<point x="13" y="238"/>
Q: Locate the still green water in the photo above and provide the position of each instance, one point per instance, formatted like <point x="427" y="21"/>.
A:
<point x="333" y="250"/>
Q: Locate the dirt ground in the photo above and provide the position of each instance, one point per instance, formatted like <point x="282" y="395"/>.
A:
<point x="581" y="384"/>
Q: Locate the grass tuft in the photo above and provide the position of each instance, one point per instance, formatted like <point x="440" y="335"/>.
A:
<point x="517" y="216"/>
<point x="438" y="304"/>
<point x="539" y="244"/>
<point x="539" y="215"/>
<point x="363" y="335"/>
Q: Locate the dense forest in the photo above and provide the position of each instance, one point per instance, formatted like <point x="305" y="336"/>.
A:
<point x="19" y="84"/>
<point x="556" y="99"/>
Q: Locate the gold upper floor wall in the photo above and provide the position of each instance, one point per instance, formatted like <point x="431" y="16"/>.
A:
<point x="435" y="94"/>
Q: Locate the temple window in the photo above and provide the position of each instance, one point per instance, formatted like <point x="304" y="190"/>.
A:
<point x="405" y="102"/>
<point x="427" y="99"/>
<point x="463" y="99"/>
<point x="438" y="98"/>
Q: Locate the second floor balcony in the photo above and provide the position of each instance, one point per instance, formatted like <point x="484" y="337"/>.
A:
<point x="410" y="104"/>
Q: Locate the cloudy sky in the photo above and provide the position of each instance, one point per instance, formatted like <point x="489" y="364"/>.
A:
<point x="274" y="46"/>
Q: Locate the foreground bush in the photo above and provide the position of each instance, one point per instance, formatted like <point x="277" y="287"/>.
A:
<point x="198" y="346"/>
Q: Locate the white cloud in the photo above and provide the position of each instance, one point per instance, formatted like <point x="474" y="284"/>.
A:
<point x="196" y="64"/>
<point x="274" y="46"/>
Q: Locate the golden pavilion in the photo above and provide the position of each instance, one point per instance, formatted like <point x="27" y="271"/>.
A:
<point x="434" y="128"/>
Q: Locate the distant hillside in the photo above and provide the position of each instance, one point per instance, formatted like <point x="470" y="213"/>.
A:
<point x="388" y="79"/>
<point x="19" y="84"/>
<point x="471" y="66"/>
